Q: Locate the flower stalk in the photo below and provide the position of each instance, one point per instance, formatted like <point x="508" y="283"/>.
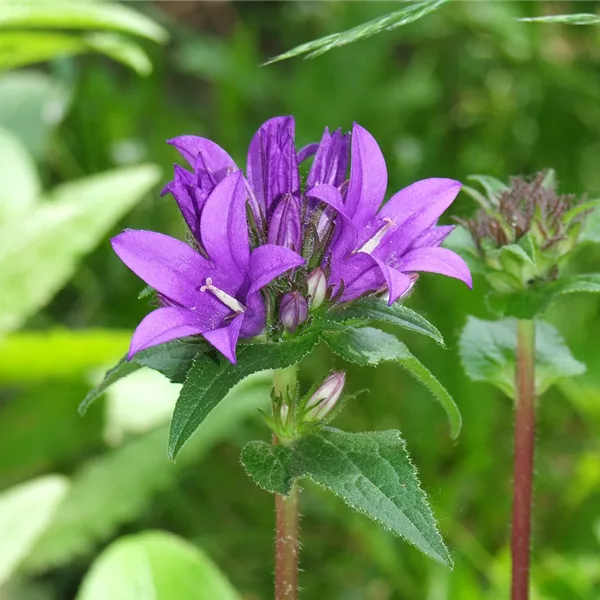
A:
<point x="523" y="459"/>
<point x="286" y="507"/>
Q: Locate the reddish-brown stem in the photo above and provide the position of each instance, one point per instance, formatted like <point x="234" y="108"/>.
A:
<point x="286" y="545"/>
<point x="523" y="460"/>
<point x="286" y="511"/>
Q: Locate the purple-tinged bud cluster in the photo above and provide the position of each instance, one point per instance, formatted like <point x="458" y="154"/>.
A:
<point x="268" y="248"/>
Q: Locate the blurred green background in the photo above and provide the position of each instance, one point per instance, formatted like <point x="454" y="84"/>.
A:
<point x="468" y="89"/>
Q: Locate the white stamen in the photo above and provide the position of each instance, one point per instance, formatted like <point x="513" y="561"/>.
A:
<point x="224" y="297"/>
<point x="371" y="244"/>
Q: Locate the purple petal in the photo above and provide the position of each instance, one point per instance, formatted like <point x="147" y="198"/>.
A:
<point x="368" y="177"/>
<point x="163" y="325"/>
<point x="268" y="262"/>
<point x="433" y="237"/>
<point x="398" y="283"/>
<point x="185" y="191"/>
<point x="225" y="338"/>
<point x="224" y="228"/>
<point x="216" y="160"/>
<point x="360" y="274"/>
<point x="413" y="210"/>
<point x="254" y="317"/>
<point x="264" y="155"/>
<point x="436" y="260"/>
<point x="346" y="235"/>
<point x="284" y="226"/>
<point x="331" y="161"/>
<point x="307" y="151"/>
<point x="168" y="265"/>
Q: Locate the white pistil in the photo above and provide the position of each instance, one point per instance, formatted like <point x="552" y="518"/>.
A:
<point x="224" y="297"/>
<point x="372" y="243"/>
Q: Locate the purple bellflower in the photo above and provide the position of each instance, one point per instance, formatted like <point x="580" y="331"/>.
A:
<point x="328" y="240"/>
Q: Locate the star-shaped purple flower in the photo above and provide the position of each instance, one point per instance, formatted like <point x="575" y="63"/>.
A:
<point x="216" y="295"/>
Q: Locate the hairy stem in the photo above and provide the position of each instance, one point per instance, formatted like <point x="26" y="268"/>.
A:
<point x="286" y="510"/>
<point x="523" y="461"/>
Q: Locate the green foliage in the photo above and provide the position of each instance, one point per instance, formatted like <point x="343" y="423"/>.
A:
<point x="369" y="310"/>
<point x="21" y="44"/>
<point x="371" y="472"/>
<point x="155" y="564"/>
<point x="370" y="347"/>
<point x="210" y="378"/>
<point x="540" y="296"/>
<point x="112" y="489"/>
<point x="386" y="23"/>
<point x="575" y="19"/>
<point x="25" y="512"/>
<point x="40" y="248"/>
<point x="488" y="350"/>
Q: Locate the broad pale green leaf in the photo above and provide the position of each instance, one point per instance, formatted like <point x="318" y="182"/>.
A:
<point x="371" y="472"/>
<point x="155" y="565"/>
<point x="116" y="487"/>
<point x="19" y="182"/>
<point x="32" y="104"/>
<point x="591" y="227"/>
<point x="74" y="353"/>
<point x="411" y="13"/>
<point x="80" y="15"/>
<point x="25" y="512"/>
<point x="20" y="48"/>
<point x="488" y="350"/>
<point x="209" y="380"/>
<point x="121" y="49"/>
<point x="539" y="297"/>
<point x="370" y="310"/>
<point x="368" y="346"/>
<point x="40" y="253"/>
<point x="173" y="359"/>
<point x="573" y="19"/>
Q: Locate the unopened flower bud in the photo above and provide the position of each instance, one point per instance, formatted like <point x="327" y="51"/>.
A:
<point x="284" y="226"/>
<point x="293" y="310"/>
<point x="317" y="287"/>
<point x="325" y="397"/>
<point x="284" y="411"/>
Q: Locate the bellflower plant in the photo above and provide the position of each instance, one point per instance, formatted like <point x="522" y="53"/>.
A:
<point x="275" y="265"/>
<point x="521" y="240"/>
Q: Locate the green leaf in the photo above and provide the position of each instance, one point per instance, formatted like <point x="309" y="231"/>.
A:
<point x="74" y="353"/>
<point x="488" y="350"/>
<point x="371" y="472"/>
<point x="540" y="296"/>
<point x="591" y="226"/>
<point x="209" y="380"/>
<point x="121" y="49"/>
<point x="461" y="242"/>
<point x="32" y="104"/>
<point x="411" y="13"/>
<point x="80" y="15"/>
<point x="20" y="48"/>
<point x="25" y="512"/>
<point x="574" y="19"/>
<point x="368" y="310"/>
<point x="369" y="347"/>
<point x="155" y="565"/>
<point x="19" y="182"/>
<point x="493" y="187"/>
<point x="40" y="253"/>
<point x="172" y="359"/>
<point x="119" y="485"/>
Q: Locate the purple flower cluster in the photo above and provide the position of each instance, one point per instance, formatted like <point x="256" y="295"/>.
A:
<point x="267" y="249"/>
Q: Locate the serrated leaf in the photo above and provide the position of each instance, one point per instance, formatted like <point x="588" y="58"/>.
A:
<point x="80" y="15"/>
<point x="368" y="310"/>
<point x="371" y="472"/>
<point x="387" y="22"/>
<point x="40" y="253"/>
<point x="114" y="488"/>
<point x="155" y="565"/>
<point x="488" y="350"/>
<point x="209" y="380"/>
<point x="172" y="359"/>
<point x="573" y="19"/>
<point x="25" y="512"/>
<point x="368" y="346"/>
<point x="540" y="296"/>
